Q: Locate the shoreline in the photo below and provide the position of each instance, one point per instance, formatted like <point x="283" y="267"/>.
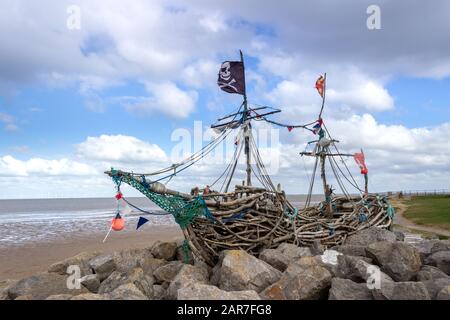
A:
<point x="17" y="262"/>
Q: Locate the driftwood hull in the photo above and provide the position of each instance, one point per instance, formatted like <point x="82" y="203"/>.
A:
<point x="260" y="219"/>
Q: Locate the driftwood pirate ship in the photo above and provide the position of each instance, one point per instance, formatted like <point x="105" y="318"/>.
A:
<point x="253" y="218"/>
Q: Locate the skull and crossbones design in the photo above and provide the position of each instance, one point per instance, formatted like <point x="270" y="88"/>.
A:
<point x="225" y="75"/>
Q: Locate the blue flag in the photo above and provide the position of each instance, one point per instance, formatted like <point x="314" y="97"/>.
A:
<point x="141" y="222"/>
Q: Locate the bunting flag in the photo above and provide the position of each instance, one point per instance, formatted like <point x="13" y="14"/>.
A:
<point x="118" y="223"/>
<point x="119" y="195"/>
<point x="232" y="77"/>
<point x="360" y="160"/>
<point x="290" y="128"/>
<point x="318" y="126"/>
<point x="141" y="222"/>
<point x="320" y="85"/>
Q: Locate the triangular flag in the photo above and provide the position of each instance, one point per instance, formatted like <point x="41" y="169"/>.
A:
<point x="320" y="85"/>
<point x="126" y="210"/>
<point x="141" y="222"/>
<point x="290" y="128"/>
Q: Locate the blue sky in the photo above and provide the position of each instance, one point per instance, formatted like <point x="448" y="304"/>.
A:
<point x="75" y="102"/>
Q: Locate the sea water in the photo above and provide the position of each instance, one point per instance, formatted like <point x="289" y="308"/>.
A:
<point x="41" y="220"/>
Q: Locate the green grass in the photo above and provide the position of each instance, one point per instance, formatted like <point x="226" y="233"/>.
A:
<point x="430" y="210"/>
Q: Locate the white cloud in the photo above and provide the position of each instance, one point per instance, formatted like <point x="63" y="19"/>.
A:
<point x="166" y="98"/>
<point x="120" y="148"/>
<point x="10" y="166"/>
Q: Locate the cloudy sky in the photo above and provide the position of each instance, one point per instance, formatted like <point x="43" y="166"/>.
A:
<point x="119" y="90"/>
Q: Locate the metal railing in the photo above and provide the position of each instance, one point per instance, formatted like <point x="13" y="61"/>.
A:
<point x="418" y="193"/>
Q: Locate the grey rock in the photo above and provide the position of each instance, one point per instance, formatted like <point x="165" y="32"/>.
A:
<point x="430" y="273"/>
<point x="137" y="277"/>
<point x="427" y="247"/>
<point x="435" y="286"/>
<point x="4" y="284"/>
<point x="159" y="292"/>
<point x="150" y="264"/>
<point x="401" y="291"/>
<point x="127" y="291"/>
<point x="25" y="297"/>
<point x="88" y="296"/>
<point x="344" y="289"/>
<point x="370" y="235"/>
<point x="294" y="252"/>
<point x="440" y="245"/>
<point x="81" y="260"/>
<point x="187" y="274"/>
<point x="91" y="282"/>
<point x="164" y="250"/>
<point x="351" y="250"/>
<point x="128" y="260"/>
<point x="103" y="265"/>
<point x="317" y="248"/>
<point x="242" y="271"/>
<point x="444" y="294"/>
<point x="399" y="260"/>
<point x="400" y="236"/>
<point x="167" y="272"/>
<point x="203" y="265"/>
<point x="59" y="297"/>
<point x="41" y="286"/>
<point x="275" y="258"/>
<point x="357" y="269"/>
<point x="310" y="283"/>
<point x="441" y="260"/>
<point x="197" y="291"/>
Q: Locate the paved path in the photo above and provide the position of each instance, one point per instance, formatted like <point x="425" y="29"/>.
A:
<point x="400" y="219"/>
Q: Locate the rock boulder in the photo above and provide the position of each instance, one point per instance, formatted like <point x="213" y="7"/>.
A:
<point x="197" y="291"/>
<point x="399" y="260"/>
<point x="242" y="271"/>
<point x="164" y="250"/>
<point x="187" y="274"/>
<point x="344" y="289"/>
<point x="368" y="236"/>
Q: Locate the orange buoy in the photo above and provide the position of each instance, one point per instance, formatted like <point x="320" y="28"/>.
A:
<point x="118" y="223"/>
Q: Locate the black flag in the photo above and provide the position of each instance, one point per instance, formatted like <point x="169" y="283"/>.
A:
<point x="232" y="77"/>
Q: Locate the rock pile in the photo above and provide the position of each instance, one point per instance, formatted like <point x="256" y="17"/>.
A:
<point x="372" y="265"/>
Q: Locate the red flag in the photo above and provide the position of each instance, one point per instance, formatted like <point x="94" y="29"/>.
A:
<point x="320" y="85"/>
<point x="119" y="195"/>
<point x="290" y="128"/>
<point x="360" y="160"/>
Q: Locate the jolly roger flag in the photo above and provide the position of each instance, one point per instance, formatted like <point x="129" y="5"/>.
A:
<point x="232" y="77"/>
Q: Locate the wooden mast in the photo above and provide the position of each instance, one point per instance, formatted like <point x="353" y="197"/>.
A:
<point x="247" y="130"/>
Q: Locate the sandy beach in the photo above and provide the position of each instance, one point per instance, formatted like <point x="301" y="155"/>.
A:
<point x="17" y="262"/>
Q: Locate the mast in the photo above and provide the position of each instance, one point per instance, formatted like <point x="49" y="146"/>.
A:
<point x="247" y="131"/>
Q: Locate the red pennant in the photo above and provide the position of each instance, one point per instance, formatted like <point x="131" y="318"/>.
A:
<point x="320" y="85"/>
<point x="119" y="196"/>
<point x="360" y="160"/>
<point x="290" y="128"/>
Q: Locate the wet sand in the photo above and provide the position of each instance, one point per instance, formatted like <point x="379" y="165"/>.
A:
<point x="20" y="261"/>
